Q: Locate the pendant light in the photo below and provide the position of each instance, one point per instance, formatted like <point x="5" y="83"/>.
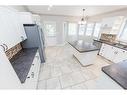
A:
<point x="83" y="19"/>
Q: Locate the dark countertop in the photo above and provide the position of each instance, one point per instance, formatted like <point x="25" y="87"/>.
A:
<point x="83" y="46"/>
<point x="112" y="44"/>
<point x="118" y="72"/>
<point x="22" y="62"/>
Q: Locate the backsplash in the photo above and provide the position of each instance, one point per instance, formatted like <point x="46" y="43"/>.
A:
<point x="13" y="51"/>
<point x="108" y="37"/>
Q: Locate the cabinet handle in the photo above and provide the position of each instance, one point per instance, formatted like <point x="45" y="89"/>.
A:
<point x="3" y="47"/>
<point x="32" y="74"/>
<point x="37" y="57"/>
<point x="28" y="77"/>
<point x="116" y="52"/>
<point x="22" y="38"/>
<point x="6" y="46"/>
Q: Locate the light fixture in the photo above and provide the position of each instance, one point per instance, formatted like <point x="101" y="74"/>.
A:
<point x="83" y="19"/>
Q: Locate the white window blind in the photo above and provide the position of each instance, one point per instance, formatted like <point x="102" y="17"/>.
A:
<point x="72" y="29"/>
<point x="89" y="29"/>
<point x="81" y="30"/>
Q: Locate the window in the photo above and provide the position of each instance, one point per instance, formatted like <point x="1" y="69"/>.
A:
<point x="50" y="28"/>
<point x="123" y="35"/>
<point x="97" y="30"/>
<point x="89" y="29"/>
<point x="72" y="29"/>
<point x="81" y="30"/>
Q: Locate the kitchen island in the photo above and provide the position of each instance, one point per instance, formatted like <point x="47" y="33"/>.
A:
<point x="85" y="52"/>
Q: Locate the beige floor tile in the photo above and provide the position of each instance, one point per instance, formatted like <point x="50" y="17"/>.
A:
<point x="66" y="80"/>
<point x="42" y="84"/>
<point x="65" y="69"/>
<point x="87" y="74"/>
<point x="53" y="83"/>
<point x="103" y="82"/>
<point x="62" y="69"/>
<point x="56" y="71"/>
<point x="45" y="73"/>
<point x="80" y="86"/>
<point x="77" y="77"/>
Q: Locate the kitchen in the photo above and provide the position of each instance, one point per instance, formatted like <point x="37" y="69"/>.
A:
<point x="78" y="48"/>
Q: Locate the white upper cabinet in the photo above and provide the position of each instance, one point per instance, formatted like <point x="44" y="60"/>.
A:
<point x="11" y="31"/>
<point x="8" y="77"/>
<point x="26" y="18"/>
<point x="112" y="25"/>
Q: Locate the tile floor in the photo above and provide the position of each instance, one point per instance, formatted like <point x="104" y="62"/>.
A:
<point x="63" y="71"/>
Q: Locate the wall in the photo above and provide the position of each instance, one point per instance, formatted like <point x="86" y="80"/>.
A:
<point x="60" y="38"/>
<point x="121" y="12"/>
<point x="19" y="8"/>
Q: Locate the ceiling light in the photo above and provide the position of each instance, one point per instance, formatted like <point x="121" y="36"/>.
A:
<point x="83" y="19"/>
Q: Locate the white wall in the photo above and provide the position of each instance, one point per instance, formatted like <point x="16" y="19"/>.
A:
<point x="60" y="39"/>
<point x="19" y="8"/>
<point x="121" y="12"/>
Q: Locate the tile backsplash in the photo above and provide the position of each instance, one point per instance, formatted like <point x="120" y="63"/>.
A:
<point x="108" y="37"/>
<point x="13" y="51"/>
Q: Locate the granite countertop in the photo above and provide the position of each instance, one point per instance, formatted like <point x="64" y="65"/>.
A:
<point x="22" y="62"/>
<point x="117" y="72"/>
<point x="115" y="44"/>
<point x="83" y="46"/>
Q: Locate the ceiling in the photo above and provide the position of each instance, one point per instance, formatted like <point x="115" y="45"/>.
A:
<point x="72" y="10"/>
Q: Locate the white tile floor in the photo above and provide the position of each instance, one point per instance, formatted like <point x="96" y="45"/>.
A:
<point x="62" y="71"/>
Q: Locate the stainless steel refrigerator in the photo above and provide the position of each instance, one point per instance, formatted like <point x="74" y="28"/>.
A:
<point x="35" y="38"/>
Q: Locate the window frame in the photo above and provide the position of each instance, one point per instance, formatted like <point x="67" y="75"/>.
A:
<point x="92" y="29"/>
<point x="85" y="26"/>
<point x="76" y="28"/>
<point x="50" y="22"/>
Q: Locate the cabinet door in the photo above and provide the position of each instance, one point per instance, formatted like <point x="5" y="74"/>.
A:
<point x="107" y="51"/>
<point x="120" y="56"/>
<point x="101" y="52"/>
<point x="8" y="77"/>
<point x="9" y="31"/>
<point x="26" y="18"/>
<point x="110" y="55"/>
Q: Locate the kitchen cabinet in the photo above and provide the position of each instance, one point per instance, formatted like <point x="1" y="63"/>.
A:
<point x="8" y="77"/>
<point x="120" y="55"/>
<point x="103" y="50"/>
<point x="112" y="25"/>
<point x="11" y="31"/>
<point x="33" y="75"/>
<point x="112" y="53"/>
<point x="26" y="18"/>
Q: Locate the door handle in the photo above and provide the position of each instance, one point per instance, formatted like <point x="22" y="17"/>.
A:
<point x="37" y="57"/>
<point x="22" y="38"/>
<point x="32" y="74"/>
